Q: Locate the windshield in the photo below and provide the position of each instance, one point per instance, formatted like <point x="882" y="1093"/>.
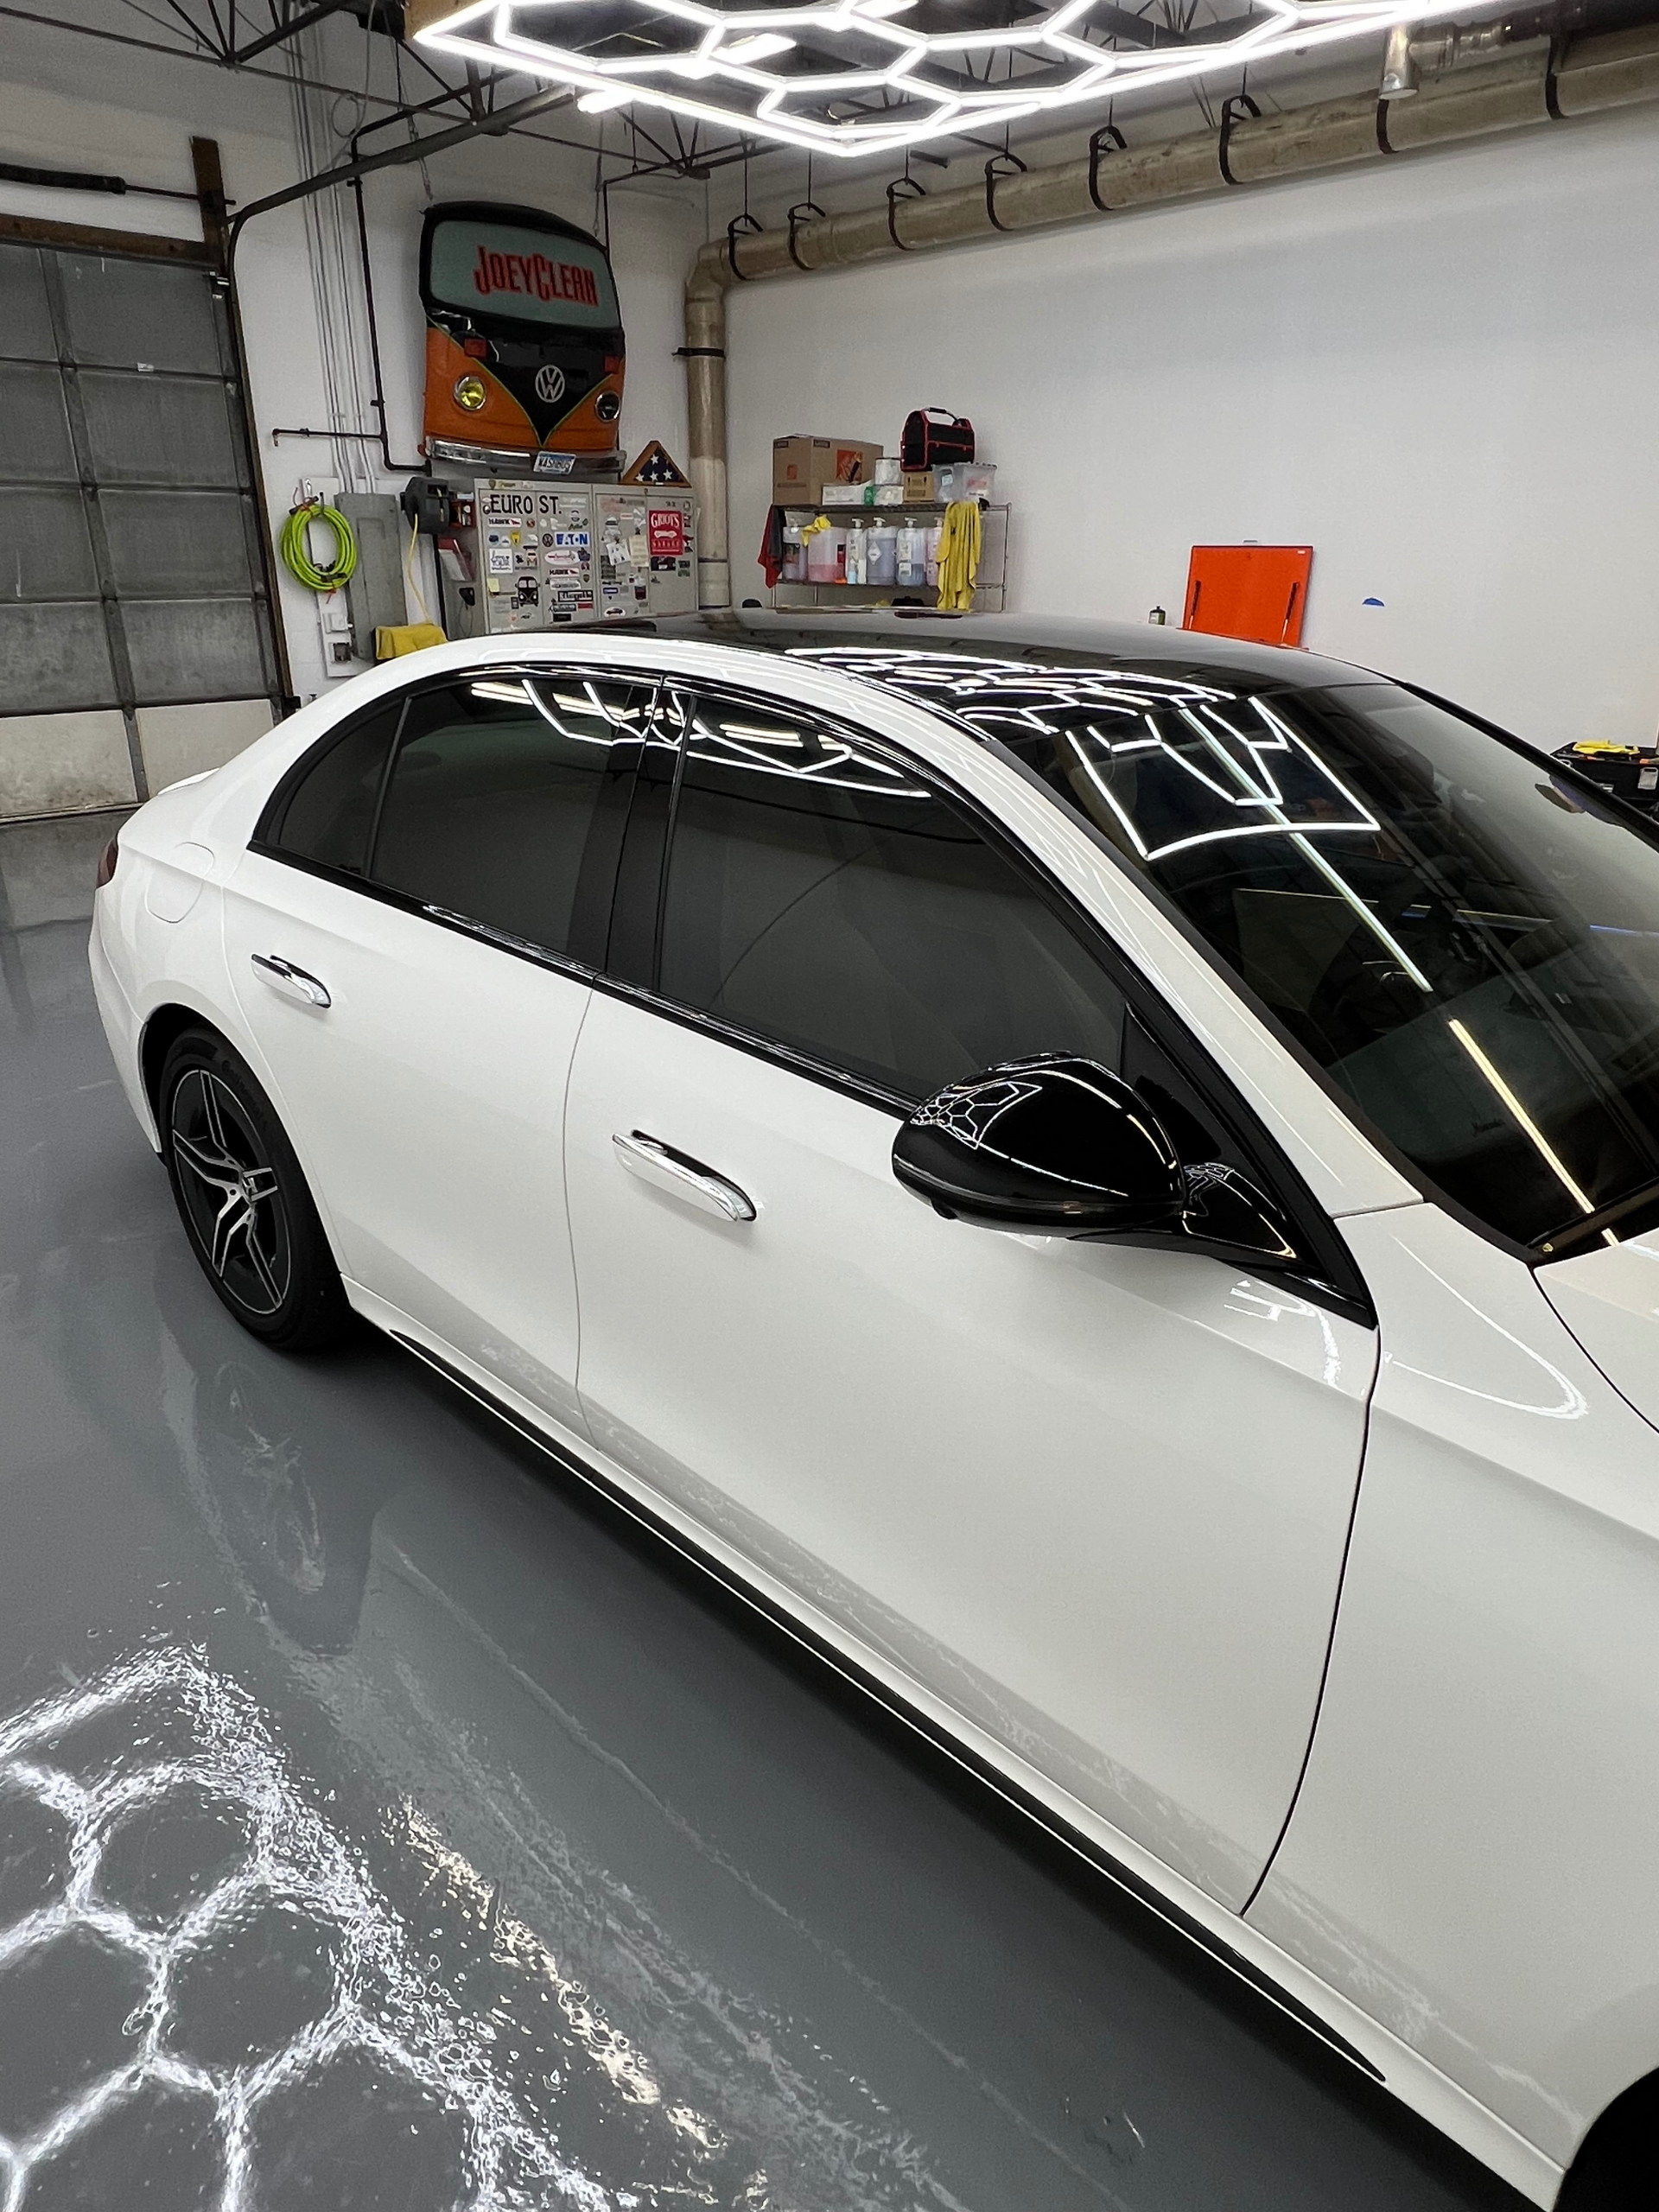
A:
<point x="530" y="275"/>
<point x="1467" y="941"/>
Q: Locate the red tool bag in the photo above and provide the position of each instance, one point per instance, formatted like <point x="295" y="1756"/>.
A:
<point x="926" y="442"/>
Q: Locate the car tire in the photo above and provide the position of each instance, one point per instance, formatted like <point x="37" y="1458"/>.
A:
<point x="1617" y="2169"/>
<point x="243" y="1199"/>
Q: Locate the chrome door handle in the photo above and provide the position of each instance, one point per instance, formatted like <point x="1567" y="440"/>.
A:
<point x="283" y="975"/>
<point x="681" y="1178"/>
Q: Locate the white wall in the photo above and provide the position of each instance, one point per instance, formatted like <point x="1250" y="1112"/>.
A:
<point x="1439" y="372"/>
<point x="67" y="101"/>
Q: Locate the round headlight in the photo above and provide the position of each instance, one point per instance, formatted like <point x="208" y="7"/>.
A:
<point x="607" y="407"/>
<point x="472" y="393"/>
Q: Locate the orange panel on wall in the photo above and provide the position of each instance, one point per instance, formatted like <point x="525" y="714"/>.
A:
<point x="1258" y="592"/>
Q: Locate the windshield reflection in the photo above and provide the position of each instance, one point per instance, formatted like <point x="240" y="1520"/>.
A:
<point x="1465" y="940"/>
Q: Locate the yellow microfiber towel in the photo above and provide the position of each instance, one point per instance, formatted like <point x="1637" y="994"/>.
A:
<point x="400" y="637"/>
<point x="959" y="545"/>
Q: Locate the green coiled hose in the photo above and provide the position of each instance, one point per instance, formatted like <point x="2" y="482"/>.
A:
<point x="296" y="556"/>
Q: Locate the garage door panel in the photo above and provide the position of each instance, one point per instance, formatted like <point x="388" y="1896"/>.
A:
<point x="25" y="319"/>
<point x="180" y="741"/>
<point x="45" y="552"/>
<point x="132" y="584"/>
<point x="34" y="443"/>
<point x="123" y="315"/>
<point x="55" y="656"/>
<point x="63" y="764"/>
<point x="159" y="431"/>
<point x="191" y="543"/>
<point x="193" y="649"/>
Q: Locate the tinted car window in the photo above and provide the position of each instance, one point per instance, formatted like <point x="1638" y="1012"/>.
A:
<point x="819" y="895"/>
<point x="330" y="811"/>
<point x="494" y="793"/>
<point x="1466" y="940"/>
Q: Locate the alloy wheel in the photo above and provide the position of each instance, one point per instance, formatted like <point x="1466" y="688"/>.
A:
<point x="231" y="1191"/>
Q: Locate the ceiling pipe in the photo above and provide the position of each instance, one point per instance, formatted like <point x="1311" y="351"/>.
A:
<point x="1582" y="76"/>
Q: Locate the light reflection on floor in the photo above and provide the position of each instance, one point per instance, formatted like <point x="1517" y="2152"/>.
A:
<point x="262" y="1973"/>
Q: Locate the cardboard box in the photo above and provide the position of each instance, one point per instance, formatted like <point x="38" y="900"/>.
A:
<point x="846" y="495"/>
<point x="801" y="466"/>
<point x="920" y="484"/>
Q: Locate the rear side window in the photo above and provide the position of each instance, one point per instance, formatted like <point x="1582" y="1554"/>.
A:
<point x="329" y="814"/>
<point x="820" y="895"/>
<point x="498" y="787"/>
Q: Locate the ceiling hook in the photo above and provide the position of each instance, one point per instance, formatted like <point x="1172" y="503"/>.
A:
<point x="1001" y="165"/>
<point x="1108" y="135"/>
<point x="743" y="226"/>
<point x="902" y="187"/>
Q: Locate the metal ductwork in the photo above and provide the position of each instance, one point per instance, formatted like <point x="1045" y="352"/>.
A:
<point x="1547" y="83"/>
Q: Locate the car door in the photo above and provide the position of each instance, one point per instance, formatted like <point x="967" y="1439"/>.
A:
<point x="1093" y="1498"/>
<point x="406" y="936"/>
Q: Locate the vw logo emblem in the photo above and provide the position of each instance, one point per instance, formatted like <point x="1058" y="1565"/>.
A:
<point x="550" y="384"/>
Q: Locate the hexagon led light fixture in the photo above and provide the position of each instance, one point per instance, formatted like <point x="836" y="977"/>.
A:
<point x="859" y="77"/>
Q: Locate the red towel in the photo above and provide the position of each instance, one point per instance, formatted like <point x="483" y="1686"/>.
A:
<point x="771" y="555"/>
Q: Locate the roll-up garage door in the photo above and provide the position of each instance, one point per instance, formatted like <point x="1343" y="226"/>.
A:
<point x="135" y="624"/>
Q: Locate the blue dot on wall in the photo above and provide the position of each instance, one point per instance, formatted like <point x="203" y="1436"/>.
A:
<point x="1370" y="602"/>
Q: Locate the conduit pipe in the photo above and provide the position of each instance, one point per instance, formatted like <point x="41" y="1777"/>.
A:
<point x="1579" y="77"/>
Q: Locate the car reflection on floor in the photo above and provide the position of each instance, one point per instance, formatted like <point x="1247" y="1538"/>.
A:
<point x="382" y="1823"/>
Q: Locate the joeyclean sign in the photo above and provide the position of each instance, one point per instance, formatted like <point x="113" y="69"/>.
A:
<point x="499" y="269"/>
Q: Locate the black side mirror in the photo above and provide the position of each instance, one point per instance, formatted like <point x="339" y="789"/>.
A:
<point x="1049" y="1143"/>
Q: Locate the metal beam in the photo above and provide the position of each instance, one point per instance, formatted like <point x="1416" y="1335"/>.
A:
<point x="1135" y="28"/>
<point x="204" y="60"/>
<point x="288" y="30"/>
<point x="418" y="150"/>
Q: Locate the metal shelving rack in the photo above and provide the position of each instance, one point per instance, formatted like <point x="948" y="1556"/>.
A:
<point x="989" y="587"/>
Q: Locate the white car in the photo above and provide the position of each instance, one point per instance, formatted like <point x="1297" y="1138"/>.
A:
<point x="1108" y="1180"/>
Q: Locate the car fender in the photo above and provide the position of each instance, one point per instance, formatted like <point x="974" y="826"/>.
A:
<point x="1469" y="1856"/>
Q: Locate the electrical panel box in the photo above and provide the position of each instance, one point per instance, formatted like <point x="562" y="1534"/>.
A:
<point x="546" y="559"/>
<point x="375" y="594"/>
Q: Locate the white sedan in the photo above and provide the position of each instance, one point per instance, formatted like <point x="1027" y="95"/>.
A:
<point x="1108" y="1181"/>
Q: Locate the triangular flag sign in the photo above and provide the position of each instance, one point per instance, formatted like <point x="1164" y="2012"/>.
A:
<point x="654" y="466"/>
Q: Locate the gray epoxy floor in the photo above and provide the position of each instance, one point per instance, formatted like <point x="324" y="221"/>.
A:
<point x="383" y="1827"/>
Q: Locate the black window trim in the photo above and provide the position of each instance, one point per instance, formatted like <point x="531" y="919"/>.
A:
<point x="441" y="916"/>
<point x="1343" y="1289"/>
<point x="404" y="902"/>
<point x="276" y="806"/>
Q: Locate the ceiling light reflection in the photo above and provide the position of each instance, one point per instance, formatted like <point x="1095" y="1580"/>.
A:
<point x="1557" y="1166"/>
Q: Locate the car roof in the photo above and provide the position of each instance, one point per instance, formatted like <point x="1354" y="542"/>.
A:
<point x="1173" y="654"/>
